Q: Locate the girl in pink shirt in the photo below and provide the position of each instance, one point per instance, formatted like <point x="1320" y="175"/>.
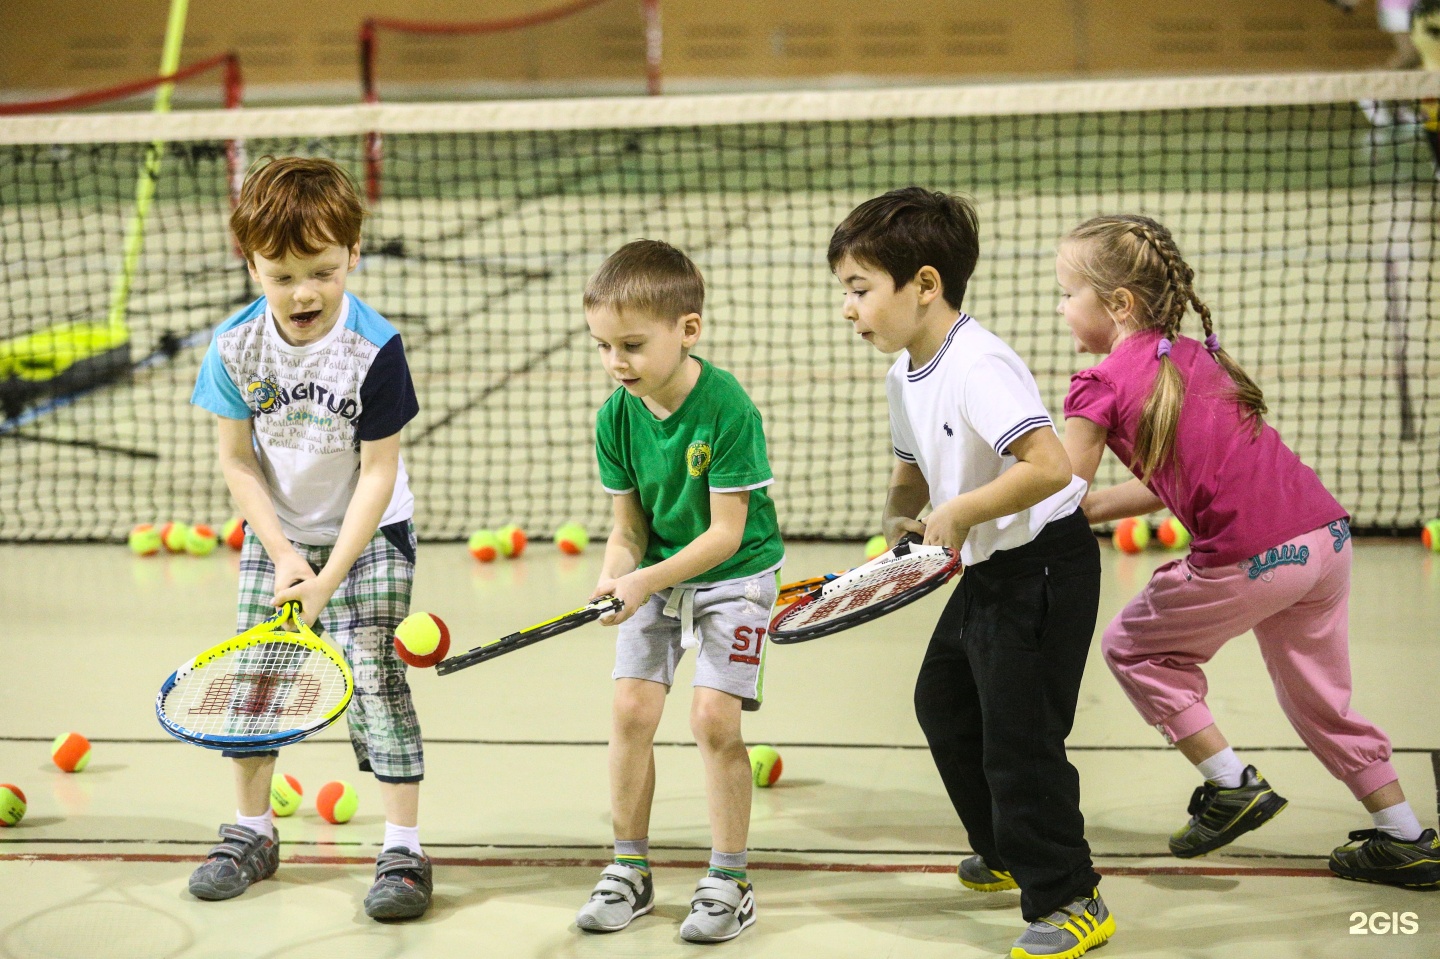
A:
<point x="1271" y="551"/>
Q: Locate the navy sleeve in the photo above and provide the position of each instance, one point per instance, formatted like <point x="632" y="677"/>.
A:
<point x="387" y="397"/>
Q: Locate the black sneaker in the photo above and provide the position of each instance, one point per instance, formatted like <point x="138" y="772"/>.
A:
<point x="1380" y="857"/>
<point x="402" y="886"/>
<point x="1219" y="815"/>
<point x="242" y="857"/>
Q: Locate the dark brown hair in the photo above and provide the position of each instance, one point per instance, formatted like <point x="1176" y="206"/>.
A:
<point x="649" y="276"/>
<point x="1137" y="254"/>
<point x="296" y="205"/>
<point x="912" y="227"/>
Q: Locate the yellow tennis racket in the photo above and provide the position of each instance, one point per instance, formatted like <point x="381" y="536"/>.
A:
<point x="270" y="686"/>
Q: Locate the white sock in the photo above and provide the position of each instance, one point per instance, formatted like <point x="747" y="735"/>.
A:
<point x="1398" y="821"/>
<point x="264" y="825"/>
<point x="1224" y="769"/>
<point x="407" y="836"/>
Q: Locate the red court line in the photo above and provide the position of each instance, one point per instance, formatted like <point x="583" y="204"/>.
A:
<point x="511" y="862"/>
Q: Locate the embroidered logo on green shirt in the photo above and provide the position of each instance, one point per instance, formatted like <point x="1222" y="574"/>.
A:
<point x="697" y="458"/>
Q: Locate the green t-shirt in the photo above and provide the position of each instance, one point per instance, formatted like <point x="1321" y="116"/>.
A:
<point x="713" y="443"/>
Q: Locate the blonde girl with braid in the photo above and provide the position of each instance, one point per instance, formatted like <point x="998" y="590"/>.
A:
<point x="1271" y="550"/>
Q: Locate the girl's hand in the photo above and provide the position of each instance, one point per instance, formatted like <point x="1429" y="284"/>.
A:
<point x="897" y="527"/>
<point x="946" y="525"/>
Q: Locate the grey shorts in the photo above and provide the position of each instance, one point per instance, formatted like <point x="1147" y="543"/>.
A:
<point x="730" y="622"/>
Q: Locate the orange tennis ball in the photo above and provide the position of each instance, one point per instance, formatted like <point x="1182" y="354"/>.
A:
<point x="285" y="793"/>
<point x="1131" y="535"/>
<point x="1172" y="534"/>
<point x="71" y="752"/>
<point x="12" y="804"/>
<point x="200" y="540"/>
<point x="765" y="765"/>
<point x="144" y="540"/>
<point x="232" y="534"/>
<point x="337" y="801"/>
<point x="572" y="539"/>
<point x="484" y="545"/>
<point x="1430" y="536"/>
<point x="512" y="541"/>
<point x="422" y="640"/>
<point x="173" y="536"/>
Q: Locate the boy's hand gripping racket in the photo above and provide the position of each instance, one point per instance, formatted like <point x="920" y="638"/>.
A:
<point x="891" y="580"/>
<point x="268" y="687"/>
<point x="551" y="627"/>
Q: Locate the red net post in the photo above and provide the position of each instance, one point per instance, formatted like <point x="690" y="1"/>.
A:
<point x="374" y="148"/>
<point x="650" y="10"/>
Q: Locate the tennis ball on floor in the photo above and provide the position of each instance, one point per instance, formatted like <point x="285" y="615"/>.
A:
<point x="1172" y="534"/>
<point x="285" y="793"/>
<point x="71" y="752"/>
<point x="874" y="546"/>
<point x="337" y="801"/>
<point x="12" y="804"/>
<point x="200" y="540"/>
<point x="572" y="539"/>
<point x="144" y="540"/>
<point x="1131" y="535"/>
<point x="173" y="536"/>
<point x="765" y="765"/>
<point x="232" y="534"/>
<point x="512" y="541"/>
<point x="422" y="640"/>
<point x="1430" y="536"/>
<point x="484" y="545"/>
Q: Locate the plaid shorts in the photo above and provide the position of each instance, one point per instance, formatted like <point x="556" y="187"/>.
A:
<point x="360" y="618"/>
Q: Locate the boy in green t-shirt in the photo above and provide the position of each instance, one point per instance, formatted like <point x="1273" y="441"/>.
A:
<point x="693" y="557"/>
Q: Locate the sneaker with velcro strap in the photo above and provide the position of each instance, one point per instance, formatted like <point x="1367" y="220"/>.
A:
<point x="1220" y="814"/>
<point x="403" y="885"/>
<point x="1380" y="857"/>
<point x="622" y="894"/>
<point x="243" y="857"/>
<point x="975" y="874"/>
<point x="1068" y="932"/>
<point x="720" y="910"/>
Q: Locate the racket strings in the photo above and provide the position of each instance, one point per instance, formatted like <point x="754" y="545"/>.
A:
<point x="258" y="690"/>
<point x="885" y="582"/>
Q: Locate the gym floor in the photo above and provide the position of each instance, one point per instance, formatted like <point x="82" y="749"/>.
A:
<point x="853" y="852"/>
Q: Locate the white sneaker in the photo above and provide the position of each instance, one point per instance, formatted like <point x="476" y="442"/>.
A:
<point x="720" y="909"/>
<point x="622" y="893"/>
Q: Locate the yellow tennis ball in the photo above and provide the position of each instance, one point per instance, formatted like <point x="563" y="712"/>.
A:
<point x="1132" y="534"/>
<point x="173" y="536"/>
<point x="12" y="804"/>
<point x="765" y="765"/>
<point x="232" y="534"/>
<point x="71" y="752"/>
<point x="144" y="540"/>
<point x="337" y="802"/>
<point x="875" y="545"/>
<point x="420" y="633"/>
<point x="572" y="539"/>
<point x="285" y="793"/>
<point x="1430" y="535"/>
<point x="200" y="540"/>
<point x="484" y="545"/>
<point x="1172" y="534"/>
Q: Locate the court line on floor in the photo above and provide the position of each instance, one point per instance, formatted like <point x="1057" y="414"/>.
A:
<point x="760" y="865"/>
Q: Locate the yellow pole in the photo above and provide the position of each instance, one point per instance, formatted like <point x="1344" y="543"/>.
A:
<point x="149" y="174"/>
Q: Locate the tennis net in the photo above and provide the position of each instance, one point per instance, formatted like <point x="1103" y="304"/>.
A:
<point x="1311" y="226"/>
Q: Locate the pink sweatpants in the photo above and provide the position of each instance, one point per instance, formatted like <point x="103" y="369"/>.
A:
<point x="1296" y="599"/>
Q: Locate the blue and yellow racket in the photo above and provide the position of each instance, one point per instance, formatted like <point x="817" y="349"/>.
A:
<point x="268" y="687"/>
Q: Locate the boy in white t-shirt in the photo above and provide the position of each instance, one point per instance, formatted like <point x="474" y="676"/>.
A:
<point x="311" y="389"/>
<point x="997" y="690"/>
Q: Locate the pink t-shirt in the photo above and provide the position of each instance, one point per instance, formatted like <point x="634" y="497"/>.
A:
<point x="1237" y="493"/>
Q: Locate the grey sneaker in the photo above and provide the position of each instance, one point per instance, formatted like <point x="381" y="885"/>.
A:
<point x="721" y="909"/>
<point x="1068" y="932"/>
<point x="402" y="887"/>
<point x="974" y="874"/>
<point x="1220" y="815"/>
<point x="622" y="894"/>
<point x="1380" y="857"/>
<point x="242" y="857"/>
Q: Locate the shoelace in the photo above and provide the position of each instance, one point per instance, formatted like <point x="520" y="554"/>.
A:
<point x="1201" y="798"/>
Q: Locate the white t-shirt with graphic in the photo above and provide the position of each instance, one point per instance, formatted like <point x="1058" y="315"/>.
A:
<point x="956" y="417"/>
<point x="311" y="407"/>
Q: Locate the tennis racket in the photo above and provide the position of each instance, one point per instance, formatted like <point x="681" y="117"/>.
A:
<point x="893" y="579"/>
<point x="526" y="637"/>
<point x="268" y="687"/>
<point x="793" y="591"/>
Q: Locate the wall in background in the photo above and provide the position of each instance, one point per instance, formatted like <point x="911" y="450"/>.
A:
<point x="300" y="49"/>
